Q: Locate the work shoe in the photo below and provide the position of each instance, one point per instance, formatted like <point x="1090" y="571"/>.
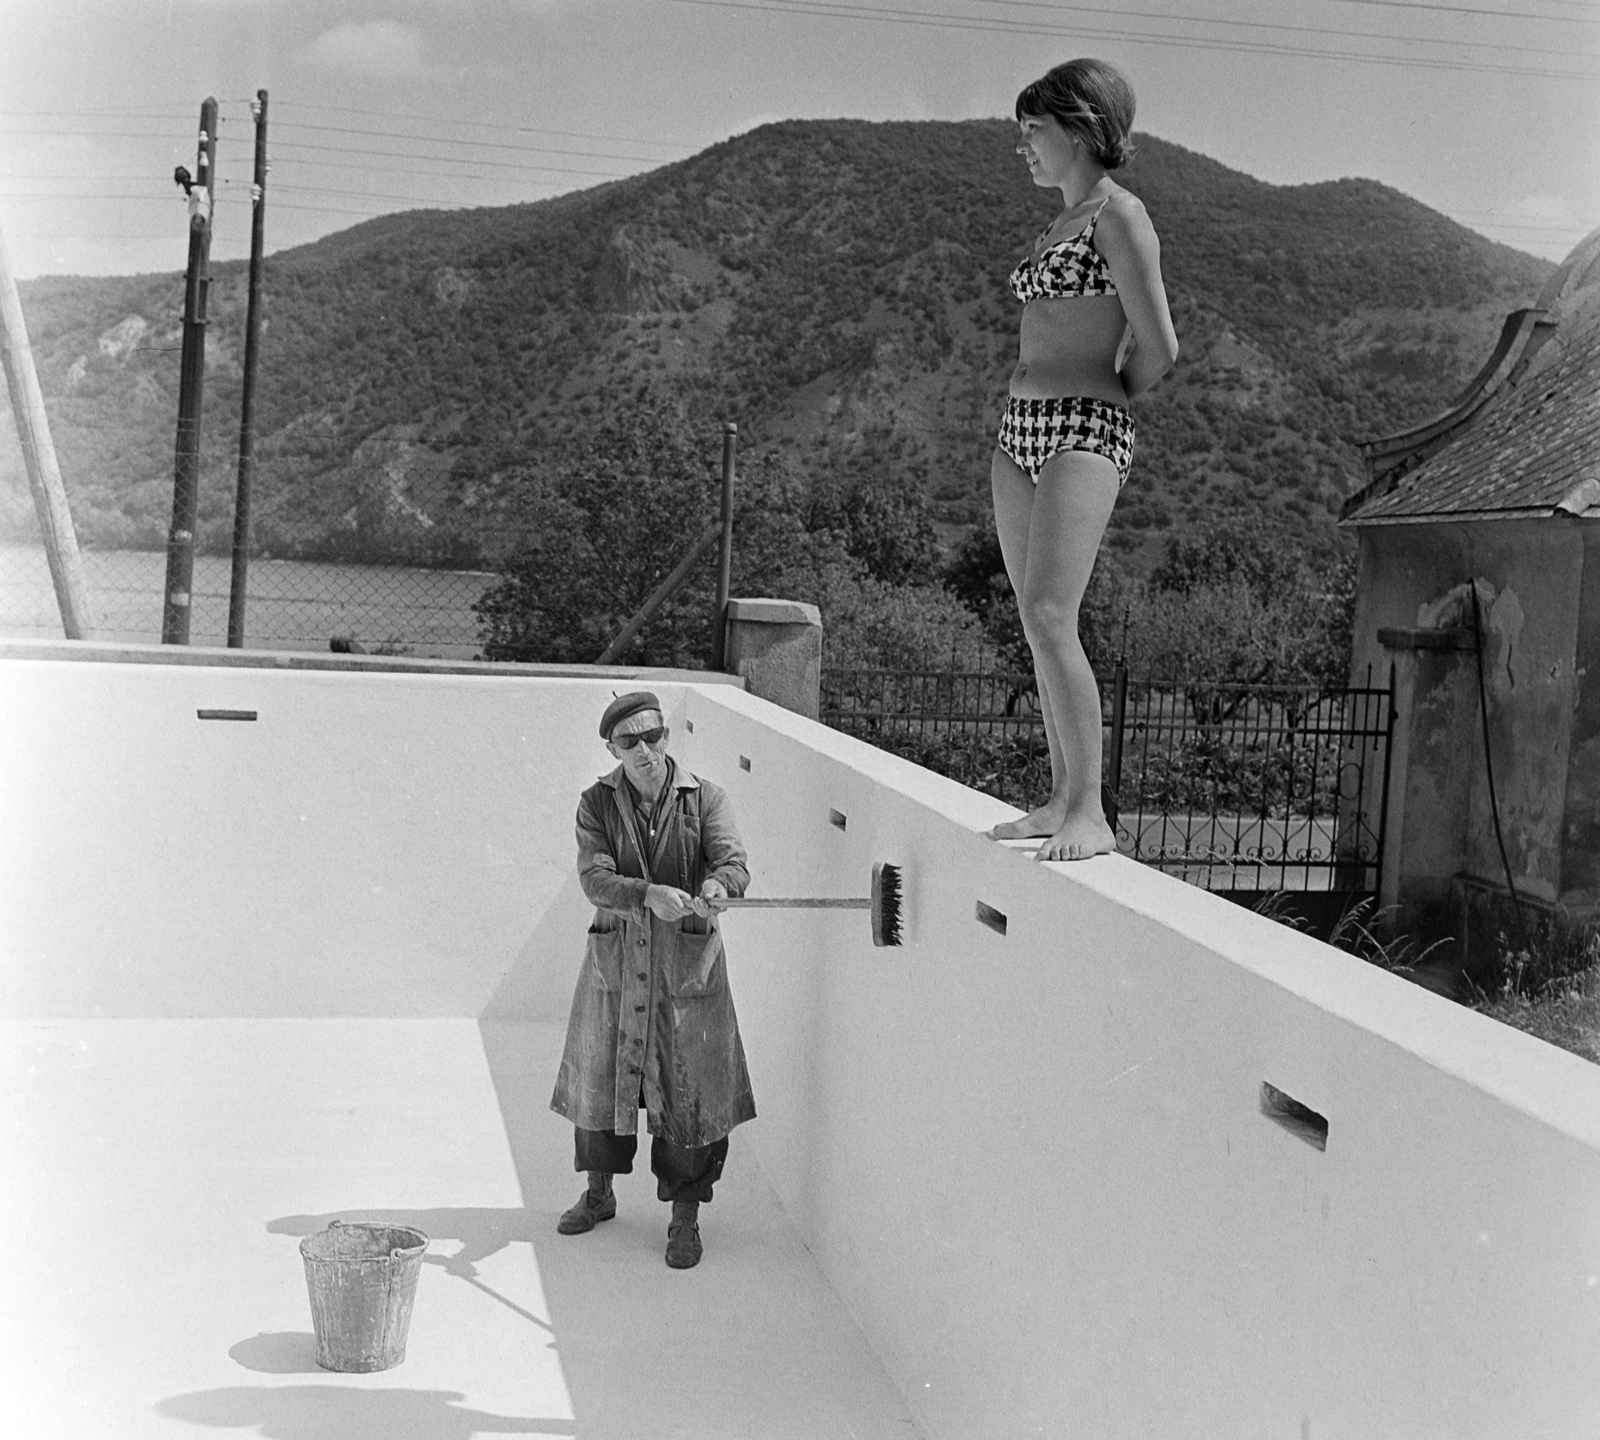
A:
<point x="591" y="1209"/>
<point x="683" y="1235"/>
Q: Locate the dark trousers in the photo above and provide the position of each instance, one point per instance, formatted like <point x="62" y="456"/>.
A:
<point x="682" y="1172"/>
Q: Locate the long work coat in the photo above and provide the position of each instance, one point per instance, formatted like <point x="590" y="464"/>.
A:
<point x="652" y="1010"/>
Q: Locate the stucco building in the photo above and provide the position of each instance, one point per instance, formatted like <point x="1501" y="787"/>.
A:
<point x="1497" y="496"/>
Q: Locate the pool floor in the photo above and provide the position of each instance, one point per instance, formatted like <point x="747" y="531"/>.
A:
<point x="159" y="1174"/>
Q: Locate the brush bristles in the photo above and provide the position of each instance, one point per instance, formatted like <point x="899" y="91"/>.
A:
<point x="885" y="904"/>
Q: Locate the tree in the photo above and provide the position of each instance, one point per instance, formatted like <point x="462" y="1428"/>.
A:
<point x="976" y="575"/>
<point x="604" y="531"/>
<point x="1239" y="604"/>
<point x="883" y="522"/>
<point x="1226" y="550"/>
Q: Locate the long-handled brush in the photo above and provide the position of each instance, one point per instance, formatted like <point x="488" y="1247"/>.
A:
<point x="884" y="903"/>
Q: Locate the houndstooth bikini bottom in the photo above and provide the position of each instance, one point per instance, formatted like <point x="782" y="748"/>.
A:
<point x="1034" y="430"/>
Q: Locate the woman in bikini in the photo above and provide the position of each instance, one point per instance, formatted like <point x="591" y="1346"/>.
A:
<point x="1096" y="331"/>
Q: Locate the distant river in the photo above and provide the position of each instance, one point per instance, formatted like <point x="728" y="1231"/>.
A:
<point x="291" y="605"/>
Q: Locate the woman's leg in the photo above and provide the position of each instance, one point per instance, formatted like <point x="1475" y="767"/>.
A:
<point x="1013" y="511"/>
<point x="1073" y="502"/>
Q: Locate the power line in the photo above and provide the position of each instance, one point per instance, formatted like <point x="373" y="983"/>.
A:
<point x="143" y="112"/>
<point x="294" y="162"/>
<point x="1589" y="18"/>
<point x="1574" y="230"/>
<point x="484" y="125"/>
<point x="439" y="142"/>
<point x="466" y="144"/>
<point x="885" y="15"/>
<point x="372" y="195"/>
<point x="400" y="155"/>
<point x="1497" y="47"/>
<point x="187" y="139"/>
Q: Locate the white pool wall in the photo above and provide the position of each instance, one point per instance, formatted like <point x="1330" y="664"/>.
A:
<point x="1034" y="1166"/>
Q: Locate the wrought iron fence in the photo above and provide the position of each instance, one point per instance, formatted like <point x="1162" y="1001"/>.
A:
<point x="1234" y="787"/>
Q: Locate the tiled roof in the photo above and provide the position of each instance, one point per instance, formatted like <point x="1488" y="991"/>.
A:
<point x="1527" y="447"/>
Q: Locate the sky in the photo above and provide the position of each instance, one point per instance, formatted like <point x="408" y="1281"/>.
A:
<point x="1487" y="110"/>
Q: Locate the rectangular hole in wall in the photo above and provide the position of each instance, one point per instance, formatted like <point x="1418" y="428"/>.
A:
<point x="744" y="762"/>
<point x="1297" y="1119"/>
<point x="988" y="915"/>
<point x="836" y="819"/>
<point x="225" y="714"/>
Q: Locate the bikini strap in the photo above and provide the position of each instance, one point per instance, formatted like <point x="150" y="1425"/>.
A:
<point x="1088" y="230"/>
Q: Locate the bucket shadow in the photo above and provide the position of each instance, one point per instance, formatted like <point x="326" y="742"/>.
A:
<point x="331" y="1412"/>
<point x="278" y="1352"/>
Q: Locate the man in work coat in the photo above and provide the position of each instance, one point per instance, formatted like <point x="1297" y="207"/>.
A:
<point x="652" y="1022"/>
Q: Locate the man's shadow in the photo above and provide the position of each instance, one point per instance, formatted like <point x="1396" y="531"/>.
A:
<point x="331" y="1412"/>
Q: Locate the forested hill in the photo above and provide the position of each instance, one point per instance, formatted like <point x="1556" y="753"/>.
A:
<point x="836" y="287"/>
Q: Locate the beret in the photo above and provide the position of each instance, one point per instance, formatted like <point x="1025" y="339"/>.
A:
<point x="623" y="706"/>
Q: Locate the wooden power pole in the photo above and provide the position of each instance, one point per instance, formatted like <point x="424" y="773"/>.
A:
<point x="186" y="452"/>
<point x="252" y="339"/>
<point x="39" y="456"/>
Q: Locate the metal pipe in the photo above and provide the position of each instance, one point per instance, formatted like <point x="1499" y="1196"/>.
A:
<point x="661" y="594"/>
<point x="1119" y="711"/>
<point x="719" y="620"/>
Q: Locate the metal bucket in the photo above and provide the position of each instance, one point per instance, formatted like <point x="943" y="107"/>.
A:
<point x="362" y="1279"/>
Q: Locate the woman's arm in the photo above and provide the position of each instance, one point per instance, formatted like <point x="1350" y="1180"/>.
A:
<point x="1127" y="239"/>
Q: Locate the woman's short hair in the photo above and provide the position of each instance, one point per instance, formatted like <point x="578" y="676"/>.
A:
<point x="1091" y="99"/>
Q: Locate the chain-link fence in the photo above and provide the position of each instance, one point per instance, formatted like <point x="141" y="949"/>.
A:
<point x="291" y="604"/>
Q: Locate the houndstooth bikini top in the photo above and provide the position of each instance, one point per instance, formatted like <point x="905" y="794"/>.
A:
<point x="1071" y="267"/>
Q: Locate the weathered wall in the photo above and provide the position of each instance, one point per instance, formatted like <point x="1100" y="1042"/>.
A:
<point x="1580" y="854"/>
<point x="1413" y="576"/>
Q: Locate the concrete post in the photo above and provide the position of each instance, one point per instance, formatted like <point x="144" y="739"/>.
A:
<point x="777" y="646"/>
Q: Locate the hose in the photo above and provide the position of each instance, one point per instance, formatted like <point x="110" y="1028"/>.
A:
<point x="1488" y="766"/>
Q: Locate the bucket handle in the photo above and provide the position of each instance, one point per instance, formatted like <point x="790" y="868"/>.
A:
<point x="399" y="1251"/>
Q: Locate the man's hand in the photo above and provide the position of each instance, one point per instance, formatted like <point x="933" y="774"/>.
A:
<point x="711" y="891"/>
<point x="666" y="902"/>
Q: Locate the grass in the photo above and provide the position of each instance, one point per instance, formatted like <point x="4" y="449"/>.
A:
<point x="1564" y="1012"/>
<point x="1549" y="988"/>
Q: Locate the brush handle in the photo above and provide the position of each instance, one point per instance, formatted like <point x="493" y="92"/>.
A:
<point x="729" y="902"/>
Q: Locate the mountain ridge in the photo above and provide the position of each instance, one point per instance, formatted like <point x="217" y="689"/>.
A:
<point x="835" y="287"/>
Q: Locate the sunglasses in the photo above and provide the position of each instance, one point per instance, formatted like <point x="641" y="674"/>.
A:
<point x="651" y="738"/>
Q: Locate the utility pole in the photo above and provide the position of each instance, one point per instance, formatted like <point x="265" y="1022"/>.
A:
<point x="186" y="452"/>
<point x="252" y="340"/>
<point x="39" y="457"/>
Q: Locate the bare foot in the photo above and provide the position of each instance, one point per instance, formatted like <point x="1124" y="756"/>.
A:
<point x="1037" y="824"/>
<point x="1080" y="836"/>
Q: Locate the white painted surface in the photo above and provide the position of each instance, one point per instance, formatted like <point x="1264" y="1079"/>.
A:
<point x="1033" y="1167"/>
<point x="159" y="1174"/>
<point x="1076" y="1219"/>
<point x="379" y="845"/>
